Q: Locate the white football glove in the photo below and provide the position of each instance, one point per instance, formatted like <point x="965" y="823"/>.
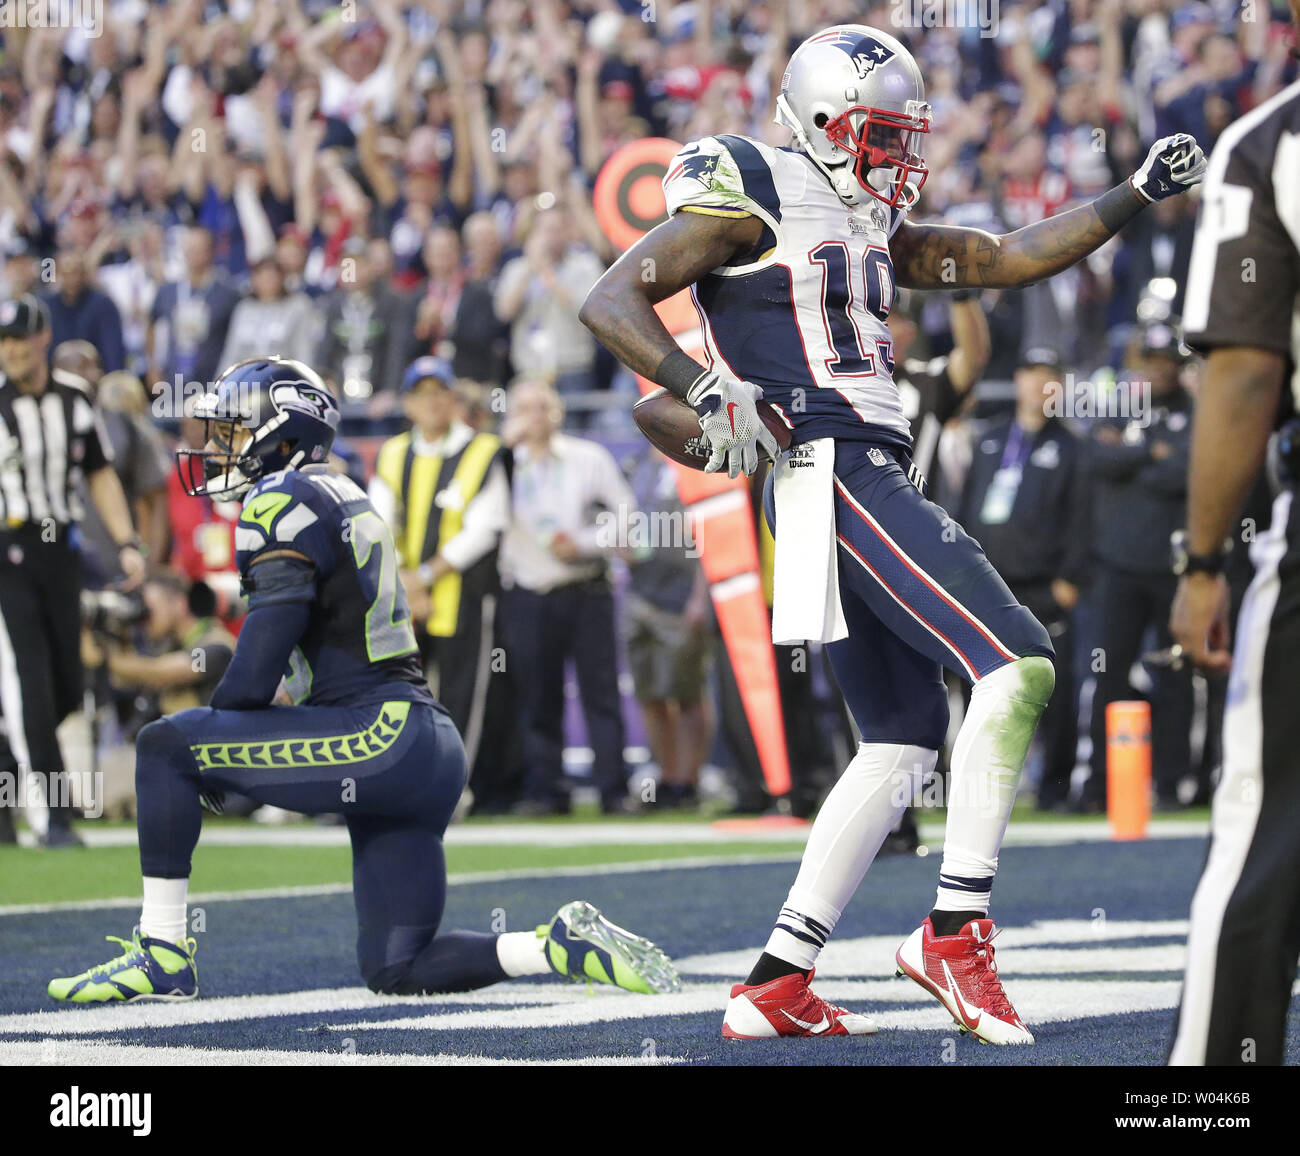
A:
<point x="728" y="412"/>
<point x="1174" y="164"/>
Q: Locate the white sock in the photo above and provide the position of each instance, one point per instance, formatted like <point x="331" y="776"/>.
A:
<point x="862" y="808"/>
<point x="522" y="953"/>
<point x="987" y="759"/>
<point x="163" y="915"/>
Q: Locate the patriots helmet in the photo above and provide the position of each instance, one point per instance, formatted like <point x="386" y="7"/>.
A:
<point x="289" y="413"/>
<point x="854" y="99"/>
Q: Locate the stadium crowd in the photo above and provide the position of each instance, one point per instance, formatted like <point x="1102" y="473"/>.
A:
<point x="366" y="186"/>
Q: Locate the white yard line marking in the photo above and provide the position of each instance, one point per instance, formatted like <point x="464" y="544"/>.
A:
<point x="73" y="1021"/>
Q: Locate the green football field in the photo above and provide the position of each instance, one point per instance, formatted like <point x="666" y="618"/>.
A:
<point x="265" y="858"/>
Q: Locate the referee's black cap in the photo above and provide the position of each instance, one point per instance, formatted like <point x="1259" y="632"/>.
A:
<point x="23" y="316"/>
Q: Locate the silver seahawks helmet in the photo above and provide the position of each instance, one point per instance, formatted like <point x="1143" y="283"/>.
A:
<point x="855" y="101"/>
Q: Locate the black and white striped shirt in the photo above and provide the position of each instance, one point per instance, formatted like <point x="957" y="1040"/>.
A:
<point x="1243" y="284"/>
<point x="47" y="444"/>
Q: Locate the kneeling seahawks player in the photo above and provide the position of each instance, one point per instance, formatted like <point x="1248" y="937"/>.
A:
<point x="366" y="739"/>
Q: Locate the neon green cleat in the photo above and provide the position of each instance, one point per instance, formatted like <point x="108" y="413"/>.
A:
<point x="146" y="969"/>
<point x="582" y="944"/>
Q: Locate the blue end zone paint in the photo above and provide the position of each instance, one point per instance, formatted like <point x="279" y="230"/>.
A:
<point x="278" y="946"/>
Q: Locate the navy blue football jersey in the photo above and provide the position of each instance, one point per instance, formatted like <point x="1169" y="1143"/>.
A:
<point x="359" y="644"/>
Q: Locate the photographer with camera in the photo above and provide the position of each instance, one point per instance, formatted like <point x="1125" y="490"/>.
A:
<point x="164" y="642"/>
<point x="191" y="649"/>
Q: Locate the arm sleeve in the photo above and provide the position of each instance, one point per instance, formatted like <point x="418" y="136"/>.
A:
<point x="269" y="634"/>
<point x="486" y="518"/>
<point x="1242" y="278"/>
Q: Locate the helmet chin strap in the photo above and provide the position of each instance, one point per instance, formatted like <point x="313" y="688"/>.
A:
<point x="228" y="486"/>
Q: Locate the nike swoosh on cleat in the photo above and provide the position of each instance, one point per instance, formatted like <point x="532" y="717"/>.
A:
<point x="816" y="1029"/>
<point x="962" y="1009"/>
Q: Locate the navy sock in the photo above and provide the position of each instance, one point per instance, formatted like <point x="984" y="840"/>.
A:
<point x="770" y="967"/>
<point x="951" y="922"/>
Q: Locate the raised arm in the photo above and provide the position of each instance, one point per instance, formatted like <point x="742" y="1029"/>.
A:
<point x="950" y="257"/>
<point x="971" y="346"/>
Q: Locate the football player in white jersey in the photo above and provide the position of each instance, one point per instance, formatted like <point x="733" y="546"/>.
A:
<point x="793" y="256"/>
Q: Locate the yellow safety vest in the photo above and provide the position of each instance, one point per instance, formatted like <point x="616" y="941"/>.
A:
<point x="432" y="493"/>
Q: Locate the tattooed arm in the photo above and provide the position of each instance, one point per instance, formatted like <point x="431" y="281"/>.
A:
<point x="949" y="257"/>
<point x="619" y="310"/>
<point x="945" y="257"/>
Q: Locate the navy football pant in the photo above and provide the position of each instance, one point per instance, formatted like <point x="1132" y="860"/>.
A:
<point x="918" y="595"/>
<point x="395" y="770"/>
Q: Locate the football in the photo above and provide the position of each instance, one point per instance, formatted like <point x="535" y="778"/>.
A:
<point x="672" y="427"/>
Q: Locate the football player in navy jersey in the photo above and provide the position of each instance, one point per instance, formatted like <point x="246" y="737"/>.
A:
<point x="793" y="257"/>
<point x="364" y="736"/>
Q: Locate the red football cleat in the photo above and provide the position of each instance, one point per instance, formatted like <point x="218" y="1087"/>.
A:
<point x="787" y="1007"/>
<point x="959" y="971"/>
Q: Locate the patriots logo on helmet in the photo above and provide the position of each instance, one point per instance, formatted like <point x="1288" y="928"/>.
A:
<point x="869" y="52"/>
<point x="865" y="51"/>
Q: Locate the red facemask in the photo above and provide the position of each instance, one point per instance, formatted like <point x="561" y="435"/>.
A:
<point x="884" y="140"/>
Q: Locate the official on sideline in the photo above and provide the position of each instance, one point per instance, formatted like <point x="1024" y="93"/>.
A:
<point x="1244" y="933"/>
<point x="444" y="490"/>
<point x="50" y="437"/>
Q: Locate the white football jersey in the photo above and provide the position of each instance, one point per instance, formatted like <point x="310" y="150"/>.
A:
<point x="802" y="315"/>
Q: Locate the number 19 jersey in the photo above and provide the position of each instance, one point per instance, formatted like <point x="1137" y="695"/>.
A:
<point x="359" y="644"/>
<point x="803" y="315"/>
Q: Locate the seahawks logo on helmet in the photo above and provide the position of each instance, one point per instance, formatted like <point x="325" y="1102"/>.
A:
<point x="304" y="397"/>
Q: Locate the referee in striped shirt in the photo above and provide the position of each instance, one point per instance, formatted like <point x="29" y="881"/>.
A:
<point x="1242" y="309"/>
<point x="49" y="440"/>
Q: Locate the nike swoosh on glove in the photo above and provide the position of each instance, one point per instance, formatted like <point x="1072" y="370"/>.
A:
<point x="1174" y="164"/>
<point x="728" y="413"/>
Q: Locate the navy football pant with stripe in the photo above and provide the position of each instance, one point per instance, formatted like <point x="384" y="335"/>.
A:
<point x="918" y="594"/>
<point x="395" y="770"/>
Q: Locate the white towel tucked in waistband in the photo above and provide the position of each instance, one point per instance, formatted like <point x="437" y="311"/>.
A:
<point x="806" y="584"/>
